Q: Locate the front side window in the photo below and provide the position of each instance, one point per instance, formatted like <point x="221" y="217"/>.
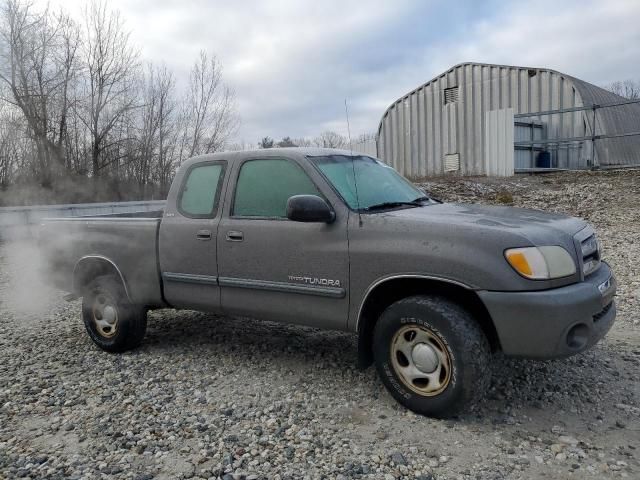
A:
<point x="199" y="194"/>
<point x="377" y="184"/>
<point x="264" y="186"/>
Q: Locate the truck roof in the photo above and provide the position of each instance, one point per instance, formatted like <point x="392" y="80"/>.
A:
<point x="269" y="152"/>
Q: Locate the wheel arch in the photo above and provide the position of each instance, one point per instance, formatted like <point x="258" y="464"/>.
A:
<point x="389" y="290"/>
<point x="92" y="266"/>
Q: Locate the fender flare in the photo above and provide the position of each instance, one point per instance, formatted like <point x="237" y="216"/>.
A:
<point x="101" y="259"/>
<point x="375" y="284"/>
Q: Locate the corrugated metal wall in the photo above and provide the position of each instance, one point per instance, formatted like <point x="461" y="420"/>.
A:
<point x="499" y="126"/>
<point x="419" y="129"/>
<point x="612" y="120"/>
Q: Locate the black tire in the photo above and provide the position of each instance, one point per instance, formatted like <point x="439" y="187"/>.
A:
<point x="454" y="340"/>
<point x="103" y="298"/>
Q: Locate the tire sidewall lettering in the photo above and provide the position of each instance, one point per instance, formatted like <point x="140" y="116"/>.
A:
<point x="391" y="376"/>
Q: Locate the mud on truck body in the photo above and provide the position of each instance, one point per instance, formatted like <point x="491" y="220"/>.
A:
<point x="328" y="239"/>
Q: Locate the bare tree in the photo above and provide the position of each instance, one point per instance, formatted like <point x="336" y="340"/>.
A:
<point x="209" y="116"/>
<point x="75" y="105"/>
<point x="167" y="129"/>
<point x="330" y="139"/>
<point x="266" y="142"/>
<point x="70" y="42"/>
<point x="240" y="146"/>
<point x="157" y="135"/>
<point x="628" y="88"/>
<point x="303" y="142"/>
<point x="287" y="142"/>
<point x="111" y="66"/>
<point x="11" y="128"/>
<point x="366" y="137"/>
<point x="39" y="62"/>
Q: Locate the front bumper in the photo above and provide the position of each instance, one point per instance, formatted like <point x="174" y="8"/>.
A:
<point x="554" y="323"/>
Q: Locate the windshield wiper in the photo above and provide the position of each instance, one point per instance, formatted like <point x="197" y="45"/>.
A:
<point x="426" y="198"/>
<point x="383" y="205"/>
<point x="416" y="202"/>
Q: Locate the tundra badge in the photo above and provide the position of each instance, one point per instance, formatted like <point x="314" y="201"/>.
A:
<point x="314" y="280"/>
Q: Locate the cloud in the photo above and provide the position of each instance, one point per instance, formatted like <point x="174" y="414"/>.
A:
<point x="596" y="41"/>
<point x="293" y="63"/>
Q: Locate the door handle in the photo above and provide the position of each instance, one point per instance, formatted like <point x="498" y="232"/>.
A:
<point x="235" y="236"/>
<point x="203" y="235"/>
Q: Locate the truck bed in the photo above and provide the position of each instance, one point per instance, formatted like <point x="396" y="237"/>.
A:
<point x="128" y="241"/>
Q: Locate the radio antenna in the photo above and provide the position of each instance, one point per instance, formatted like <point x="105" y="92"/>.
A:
<point x="353" y="164"/>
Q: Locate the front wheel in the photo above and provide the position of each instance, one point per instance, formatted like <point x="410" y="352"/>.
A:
<point x="431" y="355"/>
<point x="113" y="323"/>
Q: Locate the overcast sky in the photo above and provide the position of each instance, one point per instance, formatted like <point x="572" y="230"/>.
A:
<point x="292" y="63"/>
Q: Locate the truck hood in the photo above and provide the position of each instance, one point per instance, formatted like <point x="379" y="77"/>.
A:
<point x="537" y="226"/>
<point x="462" y="242"/>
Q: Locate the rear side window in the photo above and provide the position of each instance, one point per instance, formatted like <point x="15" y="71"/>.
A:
<point x="264" y="186"/>
<point x="199" y="195"/>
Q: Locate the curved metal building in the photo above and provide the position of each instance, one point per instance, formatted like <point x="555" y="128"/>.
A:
<point x="441" y="126"/>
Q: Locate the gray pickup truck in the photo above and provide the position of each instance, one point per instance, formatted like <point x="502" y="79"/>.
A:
<point x="328" y="239"/>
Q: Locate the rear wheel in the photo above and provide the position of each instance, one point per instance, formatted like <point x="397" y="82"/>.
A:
<point x="113" y="323"/>
<point x="431" y="355"/>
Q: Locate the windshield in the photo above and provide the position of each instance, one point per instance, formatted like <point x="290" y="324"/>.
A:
<point x="378" y="184"/>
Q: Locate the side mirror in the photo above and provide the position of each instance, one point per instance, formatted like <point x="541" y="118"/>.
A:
<point x="309" y="208"/>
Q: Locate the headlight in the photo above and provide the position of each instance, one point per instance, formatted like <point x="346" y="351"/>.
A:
<point x="590" y="246"/>
<point x="541" y="263"/>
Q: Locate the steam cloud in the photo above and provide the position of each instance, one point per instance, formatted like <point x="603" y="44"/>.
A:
<point x="25" y="292"/>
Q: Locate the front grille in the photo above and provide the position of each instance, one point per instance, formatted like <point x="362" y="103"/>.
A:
<point x="590" y="255"/>
<point x="603" y="312"/>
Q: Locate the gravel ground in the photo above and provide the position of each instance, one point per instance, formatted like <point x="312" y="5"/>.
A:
<point x="210" y="397"/>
